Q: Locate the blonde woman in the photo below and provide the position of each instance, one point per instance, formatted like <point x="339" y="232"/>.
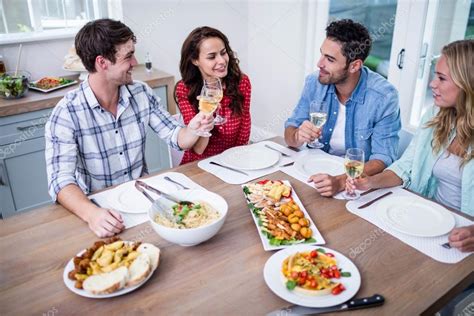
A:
<point x="439" y="163"/>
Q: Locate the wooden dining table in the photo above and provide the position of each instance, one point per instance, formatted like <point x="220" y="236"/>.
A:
<point x="223" y="276"/>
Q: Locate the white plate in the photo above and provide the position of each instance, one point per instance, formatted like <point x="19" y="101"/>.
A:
<point x="52" y="89"/>
<point x="127" y="199"/>
<point x="249" y="157"/>
<point x="313" y="164"/>
<point x="70" y="283"/>
<point x="275" y="279"/>
<point x="415" y="216"/>
<point x="266" y="242"/>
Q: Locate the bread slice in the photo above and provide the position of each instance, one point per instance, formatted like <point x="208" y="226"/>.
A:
<point x="153" y="252"/>
<point x="140" y="268"/>
<point x="106" y="283"/>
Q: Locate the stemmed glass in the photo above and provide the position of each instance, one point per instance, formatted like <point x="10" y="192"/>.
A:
<point x="318" y="117"/>
<point x="212" y="89"/>
<point x="211" y="95"/>
<point x="354" y="166"/>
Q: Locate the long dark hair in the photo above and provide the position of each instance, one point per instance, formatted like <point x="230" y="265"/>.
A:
<point x="191" y="76"/>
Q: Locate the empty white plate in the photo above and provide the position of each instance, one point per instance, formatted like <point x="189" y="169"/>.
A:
<point x="415" y="216"/>
<point x="249" y="157"/>
<point x="312" y="164"/>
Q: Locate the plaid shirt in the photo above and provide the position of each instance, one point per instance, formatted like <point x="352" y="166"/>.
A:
<point x="87" y="146"/>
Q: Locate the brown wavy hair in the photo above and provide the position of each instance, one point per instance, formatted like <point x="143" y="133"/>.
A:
<point x="191" y="76"/>
<point x="460" y="59"/>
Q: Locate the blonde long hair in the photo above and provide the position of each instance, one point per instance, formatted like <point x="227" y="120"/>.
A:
<point x="460" y="59"/>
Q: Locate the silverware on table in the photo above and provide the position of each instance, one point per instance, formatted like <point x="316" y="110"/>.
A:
<point x="375" y="200"/>
<point x="140" y="185"/>
<point x="229" y="168"/>
<point x="446" y="245"/>
<point x="368" y="191"/>
<point x="277" y="150"/>
<point x="142" y="190"/>
<point x="175" y="182"/>
<point x="358" y="303"/>
<point x="288" y="164"/>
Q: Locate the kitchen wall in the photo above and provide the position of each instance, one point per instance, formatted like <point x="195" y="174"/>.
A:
<point x="268" y="36"/>
<point x="41" y="59"/>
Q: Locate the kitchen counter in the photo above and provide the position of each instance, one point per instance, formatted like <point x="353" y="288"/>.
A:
<point x="35" y="100"/>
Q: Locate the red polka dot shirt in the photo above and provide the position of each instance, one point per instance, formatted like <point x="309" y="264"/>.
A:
<point x="235" y="132"/>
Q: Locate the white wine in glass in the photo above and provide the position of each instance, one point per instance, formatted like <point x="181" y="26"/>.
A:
<point x="211" y="95"/>
<point x="318" y="119"/>
<point x="354" y="166"/>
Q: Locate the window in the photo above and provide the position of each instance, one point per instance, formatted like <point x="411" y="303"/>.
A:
<point x="27" y="20"/>
<point x="379" y="18"/>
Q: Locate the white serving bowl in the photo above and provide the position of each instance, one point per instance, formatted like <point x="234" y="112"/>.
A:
<point x="189" y="236"/>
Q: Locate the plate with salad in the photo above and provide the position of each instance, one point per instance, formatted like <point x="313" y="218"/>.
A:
<point x="312" y="276"/>
<point x="48" y="84"/>
<point x="279" y="215"/>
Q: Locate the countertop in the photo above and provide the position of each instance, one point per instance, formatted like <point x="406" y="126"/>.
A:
<point x="36" y="100"/>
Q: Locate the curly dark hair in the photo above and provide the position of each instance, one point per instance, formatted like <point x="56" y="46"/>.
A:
<point x="100" y="38"/>
<point x="354" y="37"/>
<point x="191" y="76"/>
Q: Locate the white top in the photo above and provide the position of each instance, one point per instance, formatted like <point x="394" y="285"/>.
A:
<point x="448" y="172"/>
<point x="337" y="144"/>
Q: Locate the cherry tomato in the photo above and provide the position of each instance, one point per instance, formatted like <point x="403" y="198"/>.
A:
<point x="304" y="274"/>
<point x="337" y="274"/>
<point x="333" y="268"/>
<point x="313" y="284"/>
<point x="294" y="275"/>
<point x="330" y="254"/>
<point x="314" y="254"/>
<point x="338" y="289"/>
<point x="301" y="281"/>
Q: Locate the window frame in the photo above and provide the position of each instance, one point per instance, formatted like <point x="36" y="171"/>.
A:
<point x="38" y="35"/>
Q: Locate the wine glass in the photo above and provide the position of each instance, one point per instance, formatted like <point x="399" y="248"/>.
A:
<point x="211" y="94"/>
<point x="213" y="90"/>
<point x="318" y="117"/>
<point x="354" y="166"/>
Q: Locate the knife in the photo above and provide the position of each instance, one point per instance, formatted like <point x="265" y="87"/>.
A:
<point x="358" y="303"/>
<point x="282" y="153"/>
<point x="375" y="200"/>
<point x="236" y="170"/>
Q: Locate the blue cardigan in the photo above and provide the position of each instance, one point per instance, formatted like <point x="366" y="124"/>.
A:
<point x="415" y="166"/>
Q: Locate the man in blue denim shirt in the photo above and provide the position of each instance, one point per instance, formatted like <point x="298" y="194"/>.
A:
<point x="362" y="107"/>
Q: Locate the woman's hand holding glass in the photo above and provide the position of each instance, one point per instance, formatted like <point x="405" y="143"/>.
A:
<point x="354" y="166"/>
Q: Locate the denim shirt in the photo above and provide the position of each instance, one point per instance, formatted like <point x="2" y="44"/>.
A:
<point x="415" y="166"/>
<point x="372" y="114"/>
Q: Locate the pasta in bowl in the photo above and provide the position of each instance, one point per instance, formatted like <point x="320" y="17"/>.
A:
<point x="189" y="225"/>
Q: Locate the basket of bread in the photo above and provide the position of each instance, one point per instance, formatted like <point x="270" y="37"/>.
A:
<point x="110" y="267"/>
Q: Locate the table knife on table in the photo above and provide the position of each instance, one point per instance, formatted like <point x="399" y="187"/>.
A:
<point x="357" y="303"/>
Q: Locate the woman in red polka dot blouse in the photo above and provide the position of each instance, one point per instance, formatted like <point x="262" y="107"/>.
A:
<point x="206" y="54"/>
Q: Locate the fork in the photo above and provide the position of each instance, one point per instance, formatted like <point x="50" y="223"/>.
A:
<point x="446" y="245"/>
<point x="277" y="150"/>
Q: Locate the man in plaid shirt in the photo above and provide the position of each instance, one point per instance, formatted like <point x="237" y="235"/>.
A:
<point x="95" y="136"/>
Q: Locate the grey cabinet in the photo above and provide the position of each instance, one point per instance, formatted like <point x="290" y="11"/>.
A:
<point x="156" y="150"/>
<point x="23" y="180"/>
